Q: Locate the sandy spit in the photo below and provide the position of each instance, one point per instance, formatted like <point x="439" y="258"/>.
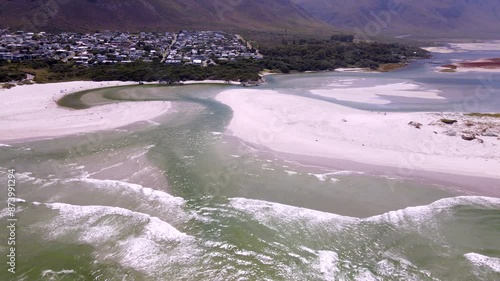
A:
<point x="30" y="111"/>
<point x="309" y="127"/>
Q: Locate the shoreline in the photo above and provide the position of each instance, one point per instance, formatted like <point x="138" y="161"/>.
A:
<point x="481" y="65"/>
<point x="462" y="185"/>
<point x="463" y="47"/>
<point x="305" y="128"/>
<point x="467" y="185"/>
<point x="194" y="82"/>
<point x="30" y="112"/>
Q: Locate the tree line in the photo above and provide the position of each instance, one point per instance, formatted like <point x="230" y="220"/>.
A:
<point x="283" y="58"/>
<point x="332" y="55"/>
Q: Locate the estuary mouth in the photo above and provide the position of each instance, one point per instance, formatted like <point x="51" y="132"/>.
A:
<point x="318" y="176"/>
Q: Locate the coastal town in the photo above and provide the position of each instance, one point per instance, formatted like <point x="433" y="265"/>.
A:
<point x="201" y="48"/>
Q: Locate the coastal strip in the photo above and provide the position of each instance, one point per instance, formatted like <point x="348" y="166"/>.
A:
<point x="30" y="111"/>
<point x="406" y="142"/>
<point x="482" y="65"/>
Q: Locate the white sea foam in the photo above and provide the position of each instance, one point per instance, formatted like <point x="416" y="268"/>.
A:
<point x="291" y="173"/>
<point x="4" y="213"/>
<point x="141" y="152"/>
<point x="153" y="123"/>
<point x="162" y="204"/>
<point x="346" y="173"/>
<point x="484" y="261"/>
<point x="420" y="215"/>
<point x="325" y="177"/>
<point x="366" y="275"/>
<point x="320" y="177"/>
<point x="55" y="275"/>
<point x="413" y="218"/>
<point x="88" y="217"/>
<point x="26" y="176"/>
<point x="154" y="256"/>
<point x="4" y="145"/>
<point x="149" y="193"/>
<point x="159" y="230"/>
<point x="328" y="264"/>
<point x="284" y="214"/>
<point x="394" y="265"/>
<point x="145" y="243"/>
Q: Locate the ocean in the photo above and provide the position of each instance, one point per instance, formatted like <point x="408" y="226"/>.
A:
<point x="175" y="198"/>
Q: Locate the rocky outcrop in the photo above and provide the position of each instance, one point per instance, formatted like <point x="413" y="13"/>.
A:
<point x="415" y="124"/>
<point x="468" y="126"/>
<point x="449" y="121"/>
<point x="468" y="137"/>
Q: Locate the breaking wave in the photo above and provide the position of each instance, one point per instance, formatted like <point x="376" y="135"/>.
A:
<point x="378" y="247"/>
<point x="133" y="240"/>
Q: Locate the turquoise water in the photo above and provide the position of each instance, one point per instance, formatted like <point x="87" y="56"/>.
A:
<point x="176" y="199"/>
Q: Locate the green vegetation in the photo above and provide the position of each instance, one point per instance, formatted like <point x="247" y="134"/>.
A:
<point x="47" y="71"/>
<point x="323" y="55"/>
<point x="491" y="115"/>
<point x="9" y="74"/>
<point x="388" y="67"/>
<point x="311" y="56"/>
<point x="8" y="86"/>
<point x="243" y="70"/>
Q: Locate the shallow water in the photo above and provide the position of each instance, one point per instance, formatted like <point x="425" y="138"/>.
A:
<point x="175" y="199"/>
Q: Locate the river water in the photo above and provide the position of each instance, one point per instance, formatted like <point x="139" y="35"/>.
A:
<point x="176" y="199"/>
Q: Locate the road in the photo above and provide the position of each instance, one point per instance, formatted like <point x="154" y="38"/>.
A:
<point x="167" y="51"/>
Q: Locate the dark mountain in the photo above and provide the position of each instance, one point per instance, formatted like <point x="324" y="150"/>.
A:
<point x="135" y="15"/>
<point x="421" y="18"/>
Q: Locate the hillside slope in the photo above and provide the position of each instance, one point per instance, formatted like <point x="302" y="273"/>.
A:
<point x="135" y="15"/>
<point x="422" y="18"/>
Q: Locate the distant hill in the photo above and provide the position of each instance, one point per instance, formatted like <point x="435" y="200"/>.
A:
<point x="420" y="18"/>
<point x="148" y="15"/>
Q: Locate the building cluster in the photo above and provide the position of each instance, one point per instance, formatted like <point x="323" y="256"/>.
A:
<point x="205" y="47"/>
<point x="185" y="47"/>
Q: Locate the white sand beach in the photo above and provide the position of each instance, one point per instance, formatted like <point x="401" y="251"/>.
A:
<point x="304" y="126"/>
<point x="377" y="94"/>
<point x="355" y="70"/>
<point x="477" y="46"/>
<point x="480" y="65"/>
<point x="193" y="82"/>
<point x="466" y="69"/>
<point x="441" y="50"/>
<point x="465" y="47"/>
<point x="31" y="112"/>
